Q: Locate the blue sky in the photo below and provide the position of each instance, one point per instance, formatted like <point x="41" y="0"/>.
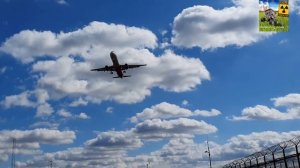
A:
<point x="210" y="74"/>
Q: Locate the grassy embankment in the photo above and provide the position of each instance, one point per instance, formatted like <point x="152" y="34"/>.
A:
<point x="283" y="24"/>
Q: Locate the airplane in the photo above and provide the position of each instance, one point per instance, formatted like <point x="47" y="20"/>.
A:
<point x="120" y="69"/>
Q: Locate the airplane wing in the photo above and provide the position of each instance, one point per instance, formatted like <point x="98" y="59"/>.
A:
<point x="125" y="66"/>
<point x="106" y="68"/>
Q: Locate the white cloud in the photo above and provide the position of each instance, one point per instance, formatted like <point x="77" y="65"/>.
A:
<point x="291" y="102"/>
<point x="243" y="145"/>
<point x="294" y="6"/>
<point x="28" y="45"/>
<point x="63" y="76"/>
<point x="183" y="152"/>
<point x="68" y="115"/>
<point x="209" y="28"/>
<point x="63" y="113"/>
<point x="44" y="110"/>
<point x="83" y="116"/>
<point x="62" y="2"/>
<point x="44" y="136"/>
<point x="204" y="113"/>
<point x="79" y="102"/>
<point x="41" y="95"/>
<point x="115" y="139"/>
<point x="157" y="128"/>
<point x="34" y="99"/>
<point x="21" y="99"/>
<point x="28" y="141"/>
<point x="108" y="150"/>
<point x="109" y="110"/>
<point x="185" y="102"/>
<point x="3" y="70"/>
<point x="166" y="110"/>
<point x="45" y="124"/>
<point x="285" y="41"/>
<point x="164" y="32"/>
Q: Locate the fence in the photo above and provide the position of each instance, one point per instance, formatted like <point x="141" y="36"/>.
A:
<point x="282" y="155"/>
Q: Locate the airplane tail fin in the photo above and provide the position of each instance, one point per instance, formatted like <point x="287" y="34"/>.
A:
<point x="125" y="76"/>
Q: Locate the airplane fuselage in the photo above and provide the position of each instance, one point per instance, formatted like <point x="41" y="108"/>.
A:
<point x="119" y="68"/>
<point x="116" y="64"/>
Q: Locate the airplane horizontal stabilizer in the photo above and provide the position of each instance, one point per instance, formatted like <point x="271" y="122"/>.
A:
<point x="123" y="76"/>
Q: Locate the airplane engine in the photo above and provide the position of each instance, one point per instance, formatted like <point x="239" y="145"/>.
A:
<point x="126" y="66"/>
<point x="106" y="68"/>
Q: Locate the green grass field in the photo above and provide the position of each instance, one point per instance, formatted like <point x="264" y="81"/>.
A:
<point x="266" y="27"/>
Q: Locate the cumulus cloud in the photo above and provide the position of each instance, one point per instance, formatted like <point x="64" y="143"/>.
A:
<point x="62" y="78"/>
<point x="34" y="99"/>
<point x="294" y="6"/>
<point x="106" y="151"/>
<point x="110" y="148"/>
<point x="109" y="110"/>
<point x="68" y="115"/>
<point x="31" y="44"/>
<point x="65" y="76"/>
<point x="83" y="116"/>
<point x="244" y="145"/>
<point x="44" y="110"/>
<point x="21" y="99"/>
<point x="63" y="113"/>
<point x="166" y="110"/>
<point x="209" y="28"/>
<point x="290" y="102"/>
<point x="3" y="70"/>
<point x="184" y="102"/>
<point x="41" y="95"/>
<point x="79" y="102"/>
<point x="28" y="141"/>
<point x="204" y="113"/>
<point x="62" y="2"/>
<point x="115" y="140"/>
<point x="45" y="124"/>
<point x="157" y="128"/>
<point x="184" y="152"/>
<point x="44" y="136"/>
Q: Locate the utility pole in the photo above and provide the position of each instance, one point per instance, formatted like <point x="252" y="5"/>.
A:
<point x="208" y="151"/>
<point x="51" y="163"/>
<point x="148" y="164"/>
<point x="13" y="157"/>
